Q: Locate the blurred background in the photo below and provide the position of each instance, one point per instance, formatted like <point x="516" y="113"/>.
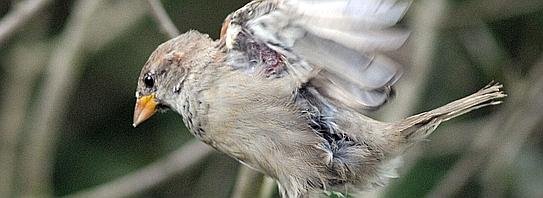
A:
<point x="68" y="71"/>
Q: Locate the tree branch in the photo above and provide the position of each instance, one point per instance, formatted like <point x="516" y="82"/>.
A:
<point x="18" y="16"/>
<point x="247" y="183"/>
<point x="108" y="23"/>
<point x="161" y="17"/>
<point x="18" y="86"/>
<point x="57" y="86"/>
<point x="267" y="188"/>
<point x="517" y="120"/>
<point x="427" y="17"/>
<point x="152" y="175"/>
<point x="519" y="126"/>
<point x="472" y="12"/>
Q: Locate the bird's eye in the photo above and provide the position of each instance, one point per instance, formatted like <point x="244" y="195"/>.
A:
<point x="149" y="81"/>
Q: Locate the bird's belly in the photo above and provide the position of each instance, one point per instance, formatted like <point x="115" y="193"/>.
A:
<point x="259" y="124"/>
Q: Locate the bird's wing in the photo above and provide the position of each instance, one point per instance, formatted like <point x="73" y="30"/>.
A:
<point x="336" y="45"/>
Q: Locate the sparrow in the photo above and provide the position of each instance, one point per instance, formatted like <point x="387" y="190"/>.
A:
<point x="285" y="88"/>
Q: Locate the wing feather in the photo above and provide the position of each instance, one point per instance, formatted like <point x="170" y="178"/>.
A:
<point x="348" y="14"/>
<point x="341" y="39"/>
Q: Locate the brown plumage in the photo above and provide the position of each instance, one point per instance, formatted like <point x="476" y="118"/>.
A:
<point x="284" y="88"/>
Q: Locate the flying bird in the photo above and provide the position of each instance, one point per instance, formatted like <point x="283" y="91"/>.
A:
<point x="285" y="88"/>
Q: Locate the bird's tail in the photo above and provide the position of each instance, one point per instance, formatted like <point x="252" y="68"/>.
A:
<point x="418" y="127"/>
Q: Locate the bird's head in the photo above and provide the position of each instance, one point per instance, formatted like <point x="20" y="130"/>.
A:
<point x="163" y="76"/>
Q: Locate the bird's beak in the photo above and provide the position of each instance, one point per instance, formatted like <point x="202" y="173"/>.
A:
<point x="146" y="106"/>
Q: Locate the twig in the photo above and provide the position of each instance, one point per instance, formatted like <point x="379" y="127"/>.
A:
<point x="489" y="10"/>
<point x="247" y="183"/>
<point x="520" y="125"/>
<point x="18" y="86"/>
<point x="108" y="23"/>
<point x="152" y="175"/>
<point x="109" y="18"/>
<point x="160" y="15"/>
<point x="427" y="17"/>
<point x="20" y="15"/>
<point x="454" y="137"/>
<point x="513" y="125"/>
<point x="484" y="49"/>
<point x="267" y="188"/>
<point x="37" y="153"/>
<point x="158" y="172"/>
<point x="457" y="176"/>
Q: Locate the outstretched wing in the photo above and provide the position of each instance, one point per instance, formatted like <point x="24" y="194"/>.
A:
<point x="336" y="45"/>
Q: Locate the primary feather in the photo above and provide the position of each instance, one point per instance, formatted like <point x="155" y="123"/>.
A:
<point x="336" y="44"/>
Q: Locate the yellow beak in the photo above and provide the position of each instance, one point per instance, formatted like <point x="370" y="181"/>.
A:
<point x="145" y="108"/>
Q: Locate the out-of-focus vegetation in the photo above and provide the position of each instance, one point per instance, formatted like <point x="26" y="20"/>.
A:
<point x="68" y="77"/>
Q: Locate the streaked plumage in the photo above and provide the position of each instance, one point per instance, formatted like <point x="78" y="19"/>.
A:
<point x="284" y="88"/>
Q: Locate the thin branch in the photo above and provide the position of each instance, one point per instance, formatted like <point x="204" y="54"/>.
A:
<point x="160" y="15"/>
<point x="108" y="23"/>
<point x="61" y="75"/>
<point x="18" y="16"/>
<point x="247" y="183"/>
<point x="24" y="72"/>
<point x="154" y="174"/>
<point x="267" y="188"/>
<point x="463" y="134"/>
<point x="162" y="170"/>
<point x="427" y="17"/>
<point x="489" y="10"/>
<point x="468" y="165"/>
<point x="18" y="86"/>
<point x="521" y="124"/>
<point x="515" y="124"/>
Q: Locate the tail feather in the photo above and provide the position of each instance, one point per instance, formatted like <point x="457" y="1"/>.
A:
<point x="419" y="126"/>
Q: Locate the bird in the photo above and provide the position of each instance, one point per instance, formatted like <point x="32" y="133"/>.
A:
<point x="286" y="87"/>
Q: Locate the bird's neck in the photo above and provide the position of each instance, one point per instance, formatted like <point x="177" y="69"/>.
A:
<point x="192" y="105"/>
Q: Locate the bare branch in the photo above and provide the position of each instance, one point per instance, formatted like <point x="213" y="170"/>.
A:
<point x="267" y="188"/>
<point x="247" y="183"/>
<point x="152" y="175"/>
<point x="519" y="126"/>
<point x="427" y="17"/>
<point x="462" y="134"/>
<point x="57" y="86"/>
<point x="20" y="15"/>
<point x="162" y="18"/>
<point x="472" y="12"/>
<point x="74" y="41"/>
<point x="468" y="165"/>
<point x="108" y="23"/>
<point x="517" y="120"/>
<point x="18" y="86"/>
